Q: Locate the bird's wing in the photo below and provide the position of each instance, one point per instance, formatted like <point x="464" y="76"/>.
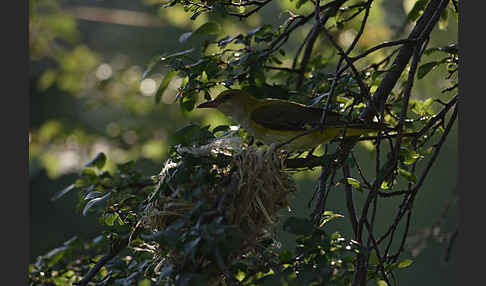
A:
<point x="282" y="115"/>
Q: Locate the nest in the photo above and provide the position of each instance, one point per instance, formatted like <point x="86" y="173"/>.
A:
<point x="248" y="191"/>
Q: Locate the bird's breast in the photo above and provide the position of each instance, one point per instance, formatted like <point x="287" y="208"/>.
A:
<point x="302" y="143"/>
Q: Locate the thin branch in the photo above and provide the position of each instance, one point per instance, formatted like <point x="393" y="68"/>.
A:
<point x="381" y="260"/>
<point x="349" y="200"/>
<point x="248" y="14"/>
<point x="115" y="248"/>
<point x="392" y="194"/>
<point x="363" y="88"/>
<point x="320" y="22"/>
<point x="450" y="245"/>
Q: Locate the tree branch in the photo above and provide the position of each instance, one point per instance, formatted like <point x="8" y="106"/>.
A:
<point x="422" y="29"/>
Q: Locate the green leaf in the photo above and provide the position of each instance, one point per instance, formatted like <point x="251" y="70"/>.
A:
<point x="284" y="255"/>
<point x="96" y="202"/>
<point x="327" y="216"/>
<point x="409" y="156"/>
<point x="164" y="84"/>
<point x="381" y="283"/>
<point x="425" y="69"/>
<point x="209" y="28"/>
<point x="98" y="162"/>
<point x="354" y="183"/>
<point x="405" y="263"/>
<point x="407" y="175"/>
<point x="110" y="219"/>
<point x="55" y="255"/>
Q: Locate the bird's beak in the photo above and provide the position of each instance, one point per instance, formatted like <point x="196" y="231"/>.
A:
<point x="209" y="104"/>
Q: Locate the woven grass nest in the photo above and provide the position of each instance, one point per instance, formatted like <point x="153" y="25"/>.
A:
<point x="248" y="191"/>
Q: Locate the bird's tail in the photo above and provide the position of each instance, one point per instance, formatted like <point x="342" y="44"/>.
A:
<point x="361" y="128"/>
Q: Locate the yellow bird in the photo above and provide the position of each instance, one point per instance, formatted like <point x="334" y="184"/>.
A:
<point x="275" y="121"/>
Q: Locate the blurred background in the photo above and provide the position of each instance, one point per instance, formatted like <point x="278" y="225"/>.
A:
<point x="87" y="96"/>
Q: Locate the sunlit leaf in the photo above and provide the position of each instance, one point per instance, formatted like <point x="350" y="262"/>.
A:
<point x="405" y="263"/>
<point x="353" y="182"/>
<point x="407" y="175"/>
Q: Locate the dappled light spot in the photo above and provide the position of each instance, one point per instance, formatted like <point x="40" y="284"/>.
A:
<point x="148" y="87"/>
<point x="154" y="149"/>
<point x="104" y="71"/>
<point x="68" y="160"/>
<point x="113" y="129"/>
<point x="130" y="137"/>
<point x="346" y="38"/>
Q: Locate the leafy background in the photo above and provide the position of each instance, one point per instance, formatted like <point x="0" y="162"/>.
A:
<point x="87" y="96"/>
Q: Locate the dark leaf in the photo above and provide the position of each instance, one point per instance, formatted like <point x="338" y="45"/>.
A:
<point x="221" y="128"/>
<point x="94" y="194"/>
<point x="165" y="271"/>
<point x="96" y="202"/>
<point x="55" y="255"/>
<point x="188" y="103"/>
<point x="425" y="69"/>
<point x="191" y="134"/>
<point x="164" y="237"/>
<point x="98" y="162"/>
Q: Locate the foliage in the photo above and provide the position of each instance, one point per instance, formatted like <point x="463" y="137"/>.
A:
<point x="209" y="217"/>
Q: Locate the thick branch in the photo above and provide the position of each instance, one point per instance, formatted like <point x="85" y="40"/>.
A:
<point x="422" y="29"/>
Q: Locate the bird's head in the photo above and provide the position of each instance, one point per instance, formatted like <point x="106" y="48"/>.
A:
<point x="227" y="97"/>
<point x="233" y="102"/>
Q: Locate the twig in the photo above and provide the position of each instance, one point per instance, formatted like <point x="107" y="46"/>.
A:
<point x="349" y="200"/>
<point x="115" y="248"/>
<point x="450" y="245"/>
<point x="248" y="14"/>
<point x="376" y="48"/>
